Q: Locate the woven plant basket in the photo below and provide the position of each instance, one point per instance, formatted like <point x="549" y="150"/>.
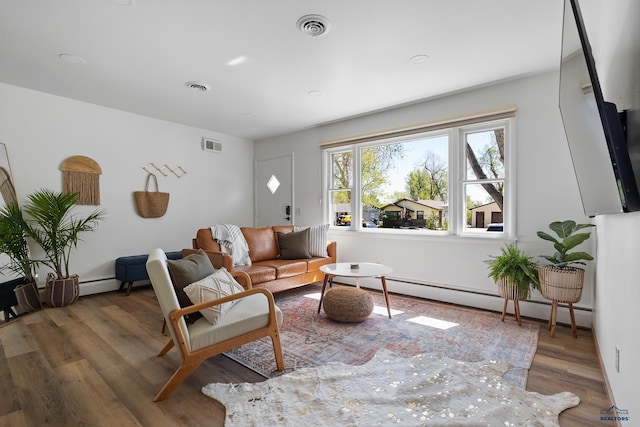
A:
<point x="511" y="292"/>
<point x="61" y="292"/>
<point x="561" y="284"/>
<point x="28" y="297"/>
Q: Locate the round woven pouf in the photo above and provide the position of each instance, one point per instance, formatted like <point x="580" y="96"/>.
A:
<point x="348" y="304"/>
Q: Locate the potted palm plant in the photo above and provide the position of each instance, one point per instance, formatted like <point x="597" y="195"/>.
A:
<point x="53" y="226"/>
<point x="13" y="243"/>
<point x="561" y="281"/>
<point x="515" y="273"/>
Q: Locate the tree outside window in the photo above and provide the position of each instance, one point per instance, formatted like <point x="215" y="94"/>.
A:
<point x="405" y="182"/>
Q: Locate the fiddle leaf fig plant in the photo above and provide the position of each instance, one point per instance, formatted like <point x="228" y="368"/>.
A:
<point x="567" y="239"/>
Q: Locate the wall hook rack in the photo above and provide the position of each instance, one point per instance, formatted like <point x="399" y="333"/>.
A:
<point x="165" y="170"/>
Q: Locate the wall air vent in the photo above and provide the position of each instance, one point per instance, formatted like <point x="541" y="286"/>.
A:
<point x="212" y="145"/>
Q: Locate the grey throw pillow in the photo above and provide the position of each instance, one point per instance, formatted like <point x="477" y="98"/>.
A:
<point x="294" y="245"/>
<point x="185" y="271"/>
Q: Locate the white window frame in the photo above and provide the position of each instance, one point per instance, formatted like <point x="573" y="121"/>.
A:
<point x="456" y="182"/>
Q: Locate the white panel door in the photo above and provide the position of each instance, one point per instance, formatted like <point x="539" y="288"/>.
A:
<point x="274" y="191"/>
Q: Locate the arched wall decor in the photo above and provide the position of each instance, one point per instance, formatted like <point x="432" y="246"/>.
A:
<point x="81" y="174"/>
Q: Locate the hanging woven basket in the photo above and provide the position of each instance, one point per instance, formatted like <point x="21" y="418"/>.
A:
<point x="561" y="284"/>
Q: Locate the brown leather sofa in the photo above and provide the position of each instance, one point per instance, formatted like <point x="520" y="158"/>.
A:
<point x="266" y="270"/>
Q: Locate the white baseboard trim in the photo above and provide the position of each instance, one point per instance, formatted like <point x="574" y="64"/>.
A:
<point x="532" y="309"/>
<point x="99" y="286"/>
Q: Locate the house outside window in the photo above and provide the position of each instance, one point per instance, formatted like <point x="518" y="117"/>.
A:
<point x="454" y="180"/>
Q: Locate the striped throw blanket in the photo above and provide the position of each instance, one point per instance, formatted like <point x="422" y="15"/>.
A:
<point x="231" y="238"/>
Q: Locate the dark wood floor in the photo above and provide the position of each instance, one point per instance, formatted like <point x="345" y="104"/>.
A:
<point x="94" y="364"/>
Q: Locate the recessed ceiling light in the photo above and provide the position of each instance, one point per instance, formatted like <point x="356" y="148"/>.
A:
<point x="199" y="86"/>
<point x="315" y="93"/>
<point x="72" y="59"/>
<point x="418" y="59"/>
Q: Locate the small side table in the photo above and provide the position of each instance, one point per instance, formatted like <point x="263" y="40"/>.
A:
<point x="363" y="269"/>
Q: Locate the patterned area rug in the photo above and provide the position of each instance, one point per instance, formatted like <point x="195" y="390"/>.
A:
<point x="425" y="390"/>
<point x="417" y="326"/>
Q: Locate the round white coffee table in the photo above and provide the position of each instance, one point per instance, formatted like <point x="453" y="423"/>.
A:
<point x="356" y="270"/>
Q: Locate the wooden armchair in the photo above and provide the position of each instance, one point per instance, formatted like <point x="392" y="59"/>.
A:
<point x="253" y="316"/>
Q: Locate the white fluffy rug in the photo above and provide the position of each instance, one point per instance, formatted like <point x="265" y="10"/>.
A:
<point x="427" y="389"/>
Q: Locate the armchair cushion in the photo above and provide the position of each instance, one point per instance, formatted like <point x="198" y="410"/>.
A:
<point x="294" y="245"/>
<point x="262" y="243"/>
<point x="247" y="314"/>
<point x="217" y="285"/>
<point x="185" y="271"/>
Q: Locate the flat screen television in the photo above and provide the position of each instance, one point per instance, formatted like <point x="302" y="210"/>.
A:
<point x="595" y="130"/>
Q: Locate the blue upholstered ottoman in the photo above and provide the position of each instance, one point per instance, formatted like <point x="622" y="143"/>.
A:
<point x="133" y="268"/>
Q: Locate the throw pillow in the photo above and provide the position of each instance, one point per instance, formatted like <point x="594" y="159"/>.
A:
<point x="317" y="239"/>
<point x="217" y="285"/>
<point x="294" y="245"/>
<point x="185" y="271"/>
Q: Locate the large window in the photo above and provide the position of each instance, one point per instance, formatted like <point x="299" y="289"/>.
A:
<point x="447" y="181"/>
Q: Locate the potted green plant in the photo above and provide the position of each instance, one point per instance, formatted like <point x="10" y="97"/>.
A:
<point x="53" y="226"/>
<point x="561" y="281"/>
<point x="515" y="273"/>
<point x="13" y="243"/>
<point x="516" y="269"/>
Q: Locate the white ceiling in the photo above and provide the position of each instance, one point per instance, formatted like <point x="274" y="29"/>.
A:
<point x="138" y="57"/>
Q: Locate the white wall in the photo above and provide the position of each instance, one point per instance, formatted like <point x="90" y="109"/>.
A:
<point x="546" y="191"/>
<point x="42" y="130"/>
<point x="615" y="38"/>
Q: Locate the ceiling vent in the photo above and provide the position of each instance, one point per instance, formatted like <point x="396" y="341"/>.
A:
<point x="199" y="86"/>
<point x="313" y="25"/>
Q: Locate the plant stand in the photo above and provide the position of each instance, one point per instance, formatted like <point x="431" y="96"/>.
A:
<point x="516" y="309"/>
<point x="561" y="285"/>
<point x="61" y="292"/>
<point x="510" y="293"/>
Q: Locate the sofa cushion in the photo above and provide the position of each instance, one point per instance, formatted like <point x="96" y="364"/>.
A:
<point x="262" y="243"/>
<point x="258" y="273"/>
<point x="282" y="228"/>
<point x="294" y="245"/>
<point x="217" y="285"/>
<point x="315" y="263"/>
<point x="287" y="268"/>
<point x="185" y="271"/>
<point x="317" y="239"/>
